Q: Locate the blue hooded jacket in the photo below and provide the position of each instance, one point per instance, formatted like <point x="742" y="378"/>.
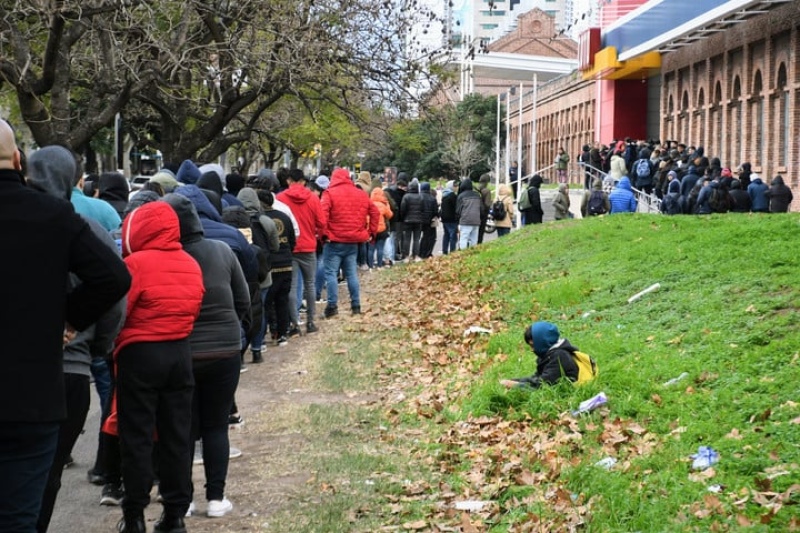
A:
<point x="188" y="173"/>
<point x="544" y="335"/>
<point x="622" y="198"/>
<point x="214" y="228"/>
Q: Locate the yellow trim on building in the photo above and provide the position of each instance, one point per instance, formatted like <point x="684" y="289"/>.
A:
<point x="607" y="66"/>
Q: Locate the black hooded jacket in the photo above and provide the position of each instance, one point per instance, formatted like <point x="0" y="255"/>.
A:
<point x="226" y="302"/>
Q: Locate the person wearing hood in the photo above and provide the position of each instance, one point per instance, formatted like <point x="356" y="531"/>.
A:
<point x="740" y="200"/>
<point x="745" y="171"/>
<point x="48" y="242"/>
<point x="617" y="168"/>
<point x="531" y="209"/>
<point x="642" y="172"/>
<point x="234" y="182"/>
<point x="266" y="180"/>
<point x="504" y="226"/>
<point x="52" y="169"/>
<point x="671" y="203"/>
<point x="378" y="197"/>
<point x="215" y="228"/>
<point x="114" y="189"/>
<point x="430" y="213"/>
<point x="364" y="182"/>
<point x="779" y="195"/>
<point x="351" y="219"/>
<point x="188" y="173"/>
<point x="757" y="190"/>
<point x="277" y="299"/>
<point x="411" y="213"/>
<point x="226" y="197"/>
<point x="215" y="343"/>
<point x="486" y="198"/>
<point x="621" y="198"/>
<point x="561" y="202"/>
<point x="396" y="225"/>
<point x="210" y="185"/>
<point x="154" y="366"/>
<point x="554" y="357"/>
<point x="447" y="214"/>
<point x="166" y="179"/>
<point x="703" y="203"/>
<point x="469" y="210"/>
<point x="689" y="180"/>
<point x="311" y="219"/>
<point x="590" y="208"/>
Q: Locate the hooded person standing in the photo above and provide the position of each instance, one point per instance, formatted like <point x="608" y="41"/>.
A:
<point x="411" y="211"/>
<point x="52" y="169"/>
<point x="114" y="189"/>
<point x="779" y="195"/>
<point x="447" y="213"/>
<point x="486" y="198"/>
<point x="533" y="211"/>
<point x="757" y="190"/>
<point x="504" y="225"/>
<point x="215" y="343"/>
<point x="351" y="219"/>
<point x="36" y="225"/>
<point x="469" y="210"/>
<point x="561" y="202"/>
<point x="622" y="198"/>
<point x="154" y="366"/>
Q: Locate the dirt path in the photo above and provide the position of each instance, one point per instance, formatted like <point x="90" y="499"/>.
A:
<point x="272" y="398"/>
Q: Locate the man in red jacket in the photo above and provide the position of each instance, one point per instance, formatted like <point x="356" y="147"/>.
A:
<point x="352" y="219"/>
<point x="305" y="207"/>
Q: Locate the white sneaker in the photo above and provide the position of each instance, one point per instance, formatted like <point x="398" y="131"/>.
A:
<point x="190" y="511"/>
<point x="219" y="508"/>
<point x="233" y="453"/>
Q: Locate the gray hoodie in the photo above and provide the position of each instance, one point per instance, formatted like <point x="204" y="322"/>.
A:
<point x="51" y="170"/>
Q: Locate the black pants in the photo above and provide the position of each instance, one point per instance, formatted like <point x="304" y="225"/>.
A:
<point x="411" y="239"/>
<point x="215" y="383"/>
<point x="154" y="397"/>
<point x="482" y="229"/>
<point x="428" y="241"/>
<point x="278" y="301"/>
<point x="400" y="243"/>
<point x="77" y="403"/>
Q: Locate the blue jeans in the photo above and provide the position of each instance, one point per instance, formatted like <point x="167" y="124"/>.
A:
<point x="27" y="450"/>
<point x="376" y="249"/>
<point x="319" y="280"/>
<point x="503" y="231"/>
<point x="449" y="237"/>
<point x="102" y="379"/>
<point x="469" y="236"/>
<point x="341" y="255"/>
<point x="388" y="247"/>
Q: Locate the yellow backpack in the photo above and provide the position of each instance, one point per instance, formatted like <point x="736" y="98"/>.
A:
<point x="587" y="368"/>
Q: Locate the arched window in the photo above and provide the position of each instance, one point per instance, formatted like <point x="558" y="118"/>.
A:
<point x="738" y="126"/>
<point x="758" y="105"/>
<point x="701" y="118"/>
<point x="783" y="130"/>
<point x="717" y="120"/>
<point x="686" y="119"/>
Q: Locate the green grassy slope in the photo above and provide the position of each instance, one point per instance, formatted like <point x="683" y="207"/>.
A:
<point x="726" y="314"/>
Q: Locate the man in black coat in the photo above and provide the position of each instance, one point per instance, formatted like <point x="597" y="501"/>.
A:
<point x="44" y="240"/>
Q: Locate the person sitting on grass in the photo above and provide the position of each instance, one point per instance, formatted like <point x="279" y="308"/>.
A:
<point x="554" y="357"/>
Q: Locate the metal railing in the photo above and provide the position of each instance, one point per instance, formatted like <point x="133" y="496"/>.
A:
<point x="647" y="203"/>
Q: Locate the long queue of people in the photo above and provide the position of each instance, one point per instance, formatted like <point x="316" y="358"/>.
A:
<point x="682" y="177"/>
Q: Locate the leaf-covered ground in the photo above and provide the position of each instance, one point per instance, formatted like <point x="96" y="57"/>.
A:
<point x="708" y="359"/>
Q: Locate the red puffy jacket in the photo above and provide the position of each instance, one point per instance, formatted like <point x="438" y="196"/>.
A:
<point x="167" y="284"/>
<point x="351" y="215"/>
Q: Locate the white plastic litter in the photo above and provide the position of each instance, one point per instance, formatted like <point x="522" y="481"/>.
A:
<point x="587" y="314"/>
<point x="673" y="381"/>
<point x="705" y="457"/>
<point x="592" y="403"/>
<point x="477" y="329"/>
<point x="651" y="288"/>
<point x="471" y="506"/>
<point x="607" y="463"/>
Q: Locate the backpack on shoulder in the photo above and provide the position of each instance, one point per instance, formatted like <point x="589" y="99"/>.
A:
<point x="261" y="241"/>
<point x="597" y="203"/>
<point x="499" y="210"/>
<point x="587" y="368"/>
<point x="719" y="201"/>
<point x="642" y="169"/>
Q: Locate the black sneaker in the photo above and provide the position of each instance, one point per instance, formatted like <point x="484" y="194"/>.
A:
<point x="132" y="525"/>
<point x="235" y="421"/>
<point x="356" y="310"/>
<point x="257" y="357"/>
<point x="170" y="524"/>
<point x="294" y="332"/>
<point x="112" y="494"/>
<point x="331" y="311"/>
<point x="283" y="341"/>
<point x="95" y="477"/>
<point x="311" y="328"/>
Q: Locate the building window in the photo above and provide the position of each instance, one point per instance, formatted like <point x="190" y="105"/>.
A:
<point x="784" y="114"/>
<point x="758" y="100"/>
<point x="489" y="26"/>
<point x="493" y="13"/>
